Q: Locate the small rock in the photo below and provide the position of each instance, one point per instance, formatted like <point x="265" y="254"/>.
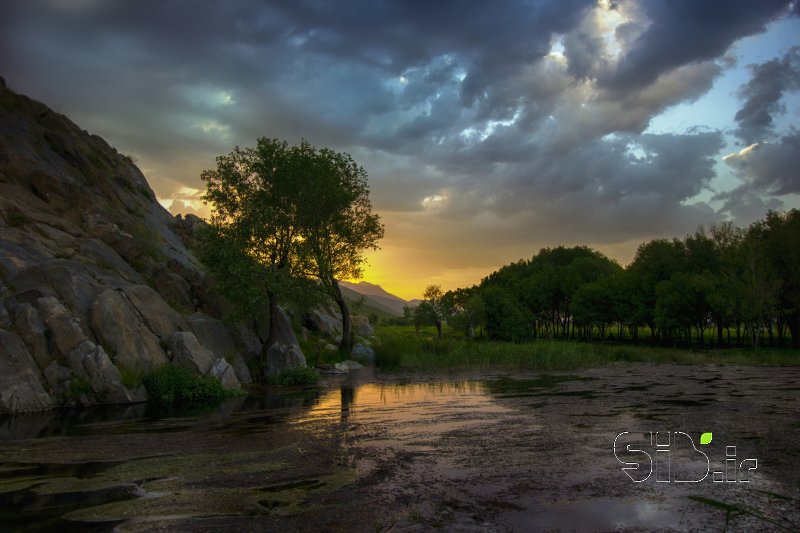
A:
<point x="350" y="365"/>
<point x="363" y="353"/>
<point x="224" y="372"/>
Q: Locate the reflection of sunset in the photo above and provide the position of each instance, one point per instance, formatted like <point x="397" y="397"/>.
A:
<point x="420" y="405"/>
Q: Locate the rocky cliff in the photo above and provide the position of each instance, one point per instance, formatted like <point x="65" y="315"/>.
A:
<point x="97" y="287"/>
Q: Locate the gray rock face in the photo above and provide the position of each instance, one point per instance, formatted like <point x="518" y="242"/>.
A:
<point x="248" y="342"/>
<point x="325" y="323"/>
<point x="225" y="373"/>
<point x="69" y="282"/>
<point x="189" y="353"/>
<point x="173" y="288"/>
<point x="32" y="330"/>
<point x="240" y="368"/>
<point x="362" y="353"/>
<point x="159" y="317"/>
<point x="282" y="356"/>
<point x="57" y="377"/>
<point x="20" y="388"/>
<point x="64" y="329"/>
<point x="121" y="330"/>
<point x="95" y="275"/>
<point x="91" y="362"/>
<point x="284" y="332"/>
<point x="212" y="334"/>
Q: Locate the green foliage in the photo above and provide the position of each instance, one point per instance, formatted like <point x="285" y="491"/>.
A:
<point x="729" y="278"/>
<point x="401" y="348"/>
<point x="506" y="319"/>
<point x="283" y="215"/>
<point x="175" y="385"/>
<point x="296" y="376"/>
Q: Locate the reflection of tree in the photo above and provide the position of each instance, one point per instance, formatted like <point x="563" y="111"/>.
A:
<point x="348" y="397"/>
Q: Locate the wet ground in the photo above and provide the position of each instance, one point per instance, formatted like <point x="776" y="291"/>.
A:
<point x="459" y="452"/>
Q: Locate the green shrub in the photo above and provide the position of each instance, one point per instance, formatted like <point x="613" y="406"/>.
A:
<point x="173" y="384"/>
<point x="295" y="376"/>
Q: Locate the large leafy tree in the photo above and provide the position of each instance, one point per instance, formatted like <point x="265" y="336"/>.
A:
<point x="253" y="225"/>
<point x="336" y="221"/>
<point x="284" y="213"/>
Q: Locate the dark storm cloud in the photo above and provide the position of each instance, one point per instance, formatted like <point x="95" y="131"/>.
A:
<point x="762" y="95"/>
<point x="680" y="32"/>
<point x="770" y="167"/>
<point x="458" y="109"/>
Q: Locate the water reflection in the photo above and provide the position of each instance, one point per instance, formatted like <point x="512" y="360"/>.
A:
<point x="405" y="409"/>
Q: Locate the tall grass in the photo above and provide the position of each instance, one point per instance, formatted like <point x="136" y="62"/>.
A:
<point x="401" y="347"/>
<point x="175" y="385"/>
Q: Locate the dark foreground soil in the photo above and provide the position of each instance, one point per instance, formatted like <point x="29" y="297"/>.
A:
<point x="461" y="452"/>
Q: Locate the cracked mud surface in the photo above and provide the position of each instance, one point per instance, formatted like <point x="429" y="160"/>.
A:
<point x="419" y="452"/>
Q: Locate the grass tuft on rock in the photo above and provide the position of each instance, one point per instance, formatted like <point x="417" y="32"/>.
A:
<point x="295" y="376"/>
<point x="175" y="385"/>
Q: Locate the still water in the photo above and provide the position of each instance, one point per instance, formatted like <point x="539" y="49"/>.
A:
<point x="376" y="452"/>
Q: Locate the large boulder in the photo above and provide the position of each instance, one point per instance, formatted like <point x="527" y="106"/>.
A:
<point x="325" y="323"/>
<point x="31" y="329"/>
<point x="362" y="327"/>
<point x="241" y="369"/>
<point x="282" y="356"/>
<point x="248" y="342"/>
<point x="20" y="387"/>
<point x="90" y="362"/>
<point x="160" y="318"/>
<point x="122" y="332"/>
<point x="283" y="329"/>
<point x="63" y="329"/>
<point x="58" y="378"/>
<point x="224" y="372"/>
<point x="189" y="353"/>
<point x="212" y="334"/>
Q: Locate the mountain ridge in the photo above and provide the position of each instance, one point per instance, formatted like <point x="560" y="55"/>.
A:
<point x="379" y="297"/>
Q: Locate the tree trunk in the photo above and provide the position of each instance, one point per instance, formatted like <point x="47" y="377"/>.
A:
<point x="344" y="346"/>
<point x="793" y="323"/>
<point x="439" y="327"/>
<point x="273" y="321"/>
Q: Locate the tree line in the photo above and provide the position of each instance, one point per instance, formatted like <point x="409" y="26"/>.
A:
<point x="724" y="286"/>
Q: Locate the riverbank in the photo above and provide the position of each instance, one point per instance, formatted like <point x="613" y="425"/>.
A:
<point x="401" y="347"/>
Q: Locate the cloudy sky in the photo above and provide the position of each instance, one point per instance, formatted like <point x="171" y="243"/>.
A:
<point x="488" y="129"/>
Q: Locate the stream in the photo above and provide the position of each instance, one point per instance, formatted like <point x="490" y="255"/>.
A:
<point x="469" y="451"/>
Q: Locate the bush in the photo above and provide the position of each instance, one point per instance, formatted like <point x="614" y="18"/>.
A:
<point x="295" y="376"/>
<point x="172" y="384"/>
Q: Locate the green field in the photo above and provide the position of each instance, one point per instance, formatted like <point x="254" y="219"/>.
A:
<point x="400" y="347"/>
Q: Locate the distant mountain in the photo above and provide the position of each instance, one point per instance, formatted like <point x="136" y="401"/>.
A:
<point x="370" y="289"/>
<point x="377" y="297"/>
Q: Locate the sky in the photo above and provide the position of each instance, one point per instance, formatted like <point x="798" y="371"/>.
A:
<point x="488" y="129"/>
